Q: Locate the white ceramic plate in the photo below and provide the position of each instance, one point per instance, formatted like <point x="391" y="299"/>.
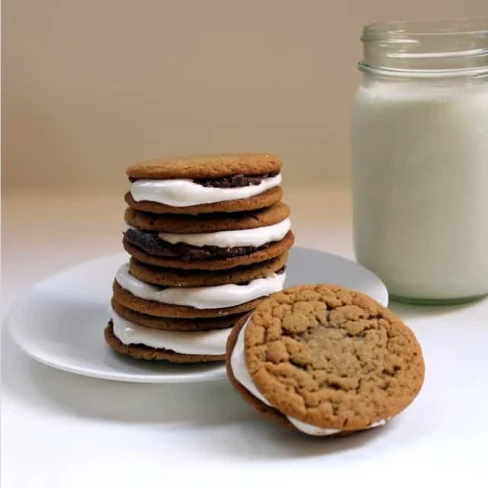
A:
<point x="60" y="321"/>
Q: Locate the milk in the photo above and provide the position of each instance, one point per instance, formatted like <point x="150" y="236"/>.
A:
<point x="420" y="188"/>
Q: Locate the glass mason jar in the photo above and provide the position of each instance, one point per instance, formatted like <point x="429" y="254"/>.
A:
<point x="420" y="159"/>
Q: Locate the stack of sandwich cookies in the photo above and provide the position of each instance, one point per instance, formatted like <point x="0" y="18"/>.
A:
<point x="200" y="261"/>
<point x="325" y="360"/>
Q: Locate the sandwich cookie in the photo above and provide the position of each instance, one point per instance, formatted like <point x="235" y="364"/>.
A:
<point x="258" y="255"/>
<point x="190" y="278"/>
<point x="212" y="222"/>
<point x="139" y="342"/>
<point x="182" y="302"/>
<point x="206" y="183"/>
<point x="196" y="239"/>
<point x="325" y="360"/>
<point x="210" y="250"/>
<point x="182" y="325"/>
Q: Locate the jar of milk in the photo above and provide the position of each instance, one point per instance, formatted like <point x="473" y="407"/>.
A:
<point x="420" y="159"/>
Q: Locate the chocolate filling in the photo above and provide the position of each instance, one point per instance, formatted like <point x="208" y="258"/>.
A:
<point x="233" y="181"/>
<point x="151" y="244"/>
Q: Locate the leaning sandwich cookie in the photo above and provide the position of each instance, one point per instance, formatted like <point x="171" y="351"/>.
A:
<point x="325" y="360"/>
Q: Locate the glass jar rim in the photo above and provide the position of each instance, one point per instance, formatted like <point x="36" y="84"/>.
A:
<point x="427" y="48"/>
<point x="462" y="26"/>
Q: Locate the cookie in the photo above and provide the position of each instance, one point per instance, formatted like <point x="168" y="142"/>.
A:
<point x="187" y="278"/>
<point x="140" y="351"/>
<point x="190" y="302"/>
<point x="262" y="200"/>
<point x="205" y="245"/>
<point x="149" y="307"/>
<point x="184" y="256"/>
<point x="215" y="180"/>
<point x="189" y="224"/>
<point x="325" y="360"/>
<point x="205" y="166"/>
<point x="182" y="325"/>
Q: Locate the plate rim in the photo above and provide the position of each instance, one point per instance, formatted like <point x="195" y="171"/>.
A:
<point x="219" y="373"/>
<point x="196" y="377"/>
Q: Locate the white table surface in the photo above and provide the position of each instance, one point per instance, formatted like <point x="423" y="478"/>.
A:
<point x="62" y="430"/>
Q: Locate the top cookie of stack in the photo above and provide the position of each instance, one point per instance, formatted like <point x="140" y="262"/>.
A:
<point x="205" y="184"/>
<point x="208" y="238"/>
<point x="207" y="212"/>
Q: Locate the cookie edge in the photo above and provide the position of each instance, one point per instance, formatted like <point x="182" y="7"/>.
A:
<point x="141" y="352"/>
<point x="287" y="409"/>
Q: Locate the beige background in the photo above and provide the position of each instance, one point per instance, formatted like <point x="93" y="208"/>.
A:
<point x="90" y="86"/>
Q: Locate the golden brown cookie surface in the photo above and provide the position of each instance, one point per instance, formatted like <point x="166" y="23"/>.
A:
<point x="190" y="224"/>
<point x="205" y="166"/>
<point x="166" y="323"/>
<point x="331" y="357"/>
<point x="157" y="309"/>
<point x="188" y="278"/>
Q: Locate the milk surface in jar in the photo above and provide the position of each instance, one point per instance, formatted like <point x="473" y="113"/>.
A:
<point x="420" y="159"/>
